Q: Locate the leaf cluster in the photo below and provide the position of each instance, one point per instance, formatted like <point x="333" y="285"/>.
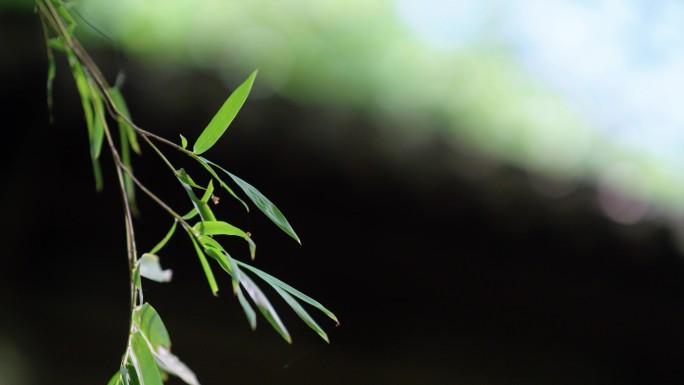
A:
<point x="148" y="358"/>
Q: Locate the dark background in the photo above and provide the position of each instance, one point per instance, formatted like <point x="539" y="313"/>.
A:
<point x="443" y="266"/>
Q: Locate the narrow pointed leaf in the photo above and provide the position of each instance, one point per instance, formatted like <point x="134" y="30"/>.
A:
<point x="98" y="123"/>
<point x="166" y="238"/>
<point x="225" y="115"/>
<point x="151" y="269"/>
<point x="224" y="228"/>
<point x="129" y="185"/>
<point x="205" y="265"/>
<point x="84" y="91"/>
<point x="173" y="365"/>
<point x="210" y="243"/>
<point x="230" y="266"/>
<point x="143" y="361"/>
<point x="223" y="184"/>
<point x="120" y="104"/>
<point x="184" y="142"/>
<point x="263" y="203"/>
<point x="216" y="251"/>
<point x="273" y="281"/>
<point x="201" y="206"/>
<point x="310" y="322"/>
<point x="247" y="308"/>
<point x="265" y="306"/>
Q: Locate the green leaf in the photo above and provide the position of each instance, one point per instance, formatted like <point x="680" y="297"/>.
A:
<point x="117" y="379"/>
<point x="171" y="364"/>
<point x="225" y="115"/>
<point x="56" y="43"/>
<point x="265" y="205"/>
<point x="224" y="228"/>
<point x="223" y="184"/>
<point x="82" y="85"/>
<point x="184" y="142"/>
<point x="216" y="251"/>
<point x="163" y="242"/>
<point x="310" y="322"/>
<point x="129" y="185"/>
<point x="97" y="175"/>
<point x="151" y="326"/>
<point x="265" y="306"/>
<point x="71" y="23"/>
<point x="151" y="269"/>
<point x="205" y="264"/>
<point x="191" y="214"/>
<point x="273" y="281"/>
<point x="201" y="206"/>
<point x="97" y="137"/>
<point x="247" y="308"/>
<point x="120" y="104"/>
<point x="143" y="361"/>
<point x="230" y="266"/>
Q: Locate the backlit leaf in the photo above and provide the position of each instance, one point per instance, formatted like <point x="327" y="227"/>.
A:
<point x="121" y="106"/>
<point x="273" y="281"/>
<point x="205" y="265"/>
<point x="143" y="361"/>
<point x="171" y="364"/>
<point x="223" y="184"/>
<point x="201" y="206"/>
<point x="265" y="205"/>
<point x="230" y="266"/>
<point x="265" y="306"/>
<point x="151" y="269"/>
<point x="310" y="322"/>
<point x="151" y="326"/>
<point x="166" y="238"/>
<point x="224" y="228"/>
<point x="225" y="115"/>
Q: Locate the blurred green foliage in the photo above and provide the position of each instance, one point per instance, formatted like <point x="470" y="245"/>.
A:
<point x="362" y="56"/>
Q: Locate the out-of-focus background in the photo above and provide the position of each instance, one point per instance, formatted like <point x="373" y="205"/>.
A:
<point x="487" y="192"/>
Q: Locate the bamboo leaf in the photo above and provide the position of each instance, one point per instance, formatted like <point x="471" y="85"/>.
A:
<point x="216" y="251"/>
<point x="225" y="115"/>
<point x="273" y="281"/>
<point x="310" y="322"/>
<point x="82" y="85"/>
<point x="230" y="266"/>
<point x="151" y="326"/>
<point x="224" y="228"/>
<point x="205" y="265"/>
<point x="184" y="142"/>
<point x="129" y="185"/>
<point x="223" y="184"/>
<point x="166" y="238"/>
<point x="151" y="269"/>
<point x="143" y="361"/>
<point x="171" y="364"/>
<point x="120" y="104"/>
<point x="99" y="121"/>
<point x="265" y="306"/>
<point x="263" y="203"/>
<point x="201" y="206"/>
<point x="247" y="308"/>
